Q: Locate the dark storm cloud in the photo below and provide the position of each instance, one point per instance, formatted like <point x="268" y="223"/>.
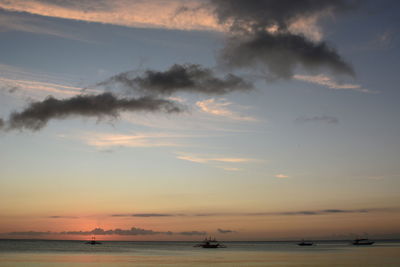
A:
<point x="37" y="114"/>
<point x="279" y="52"/>
<point x="222" y="231"/>
<point x="99" y="231"/>
<point x="179" y="78"/>
<point x="324" y="119"/>
<point x="1" y="123"/>
<point x="259" y="14"/>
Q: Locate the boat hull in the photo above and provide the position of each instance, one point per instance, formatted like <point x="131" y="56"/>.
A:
<point x="363" y="244"/>
<point x="210" y="246"/>
<point x="305" y="244"/>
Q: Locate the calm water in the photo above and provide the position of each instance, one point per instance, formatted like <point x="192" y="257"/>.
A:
<point x="31" y="253"/>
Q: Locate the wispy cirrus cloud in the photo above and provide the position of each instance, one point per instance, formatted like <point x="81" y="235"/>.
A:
<point x="210" y="159"/>
<point x="25" y="22"/>
<point x="62" y="217"/>
<point x="221" y="108"/>
<point x="37" y="85"/>
<point x="108" y="140"/>
<point x="136" y="13"/>
<point x="13" y="85"/>
<point x="331" y="84"/>
<point x="222" y="231"/>
<point x="231" y="169"/>
<point x="145" y="215"/>
<point x="192" y="233"/>
<point x="382" y="40"/>
<point x="282" y="176"/>
<point x="324" y="119"/>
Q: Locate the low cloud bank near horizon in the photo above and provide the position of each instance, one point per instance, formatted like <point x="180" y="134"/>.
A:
<point x="282" y="213"/>
<point x="222" y="231"/>
<point x="99" y="231"/>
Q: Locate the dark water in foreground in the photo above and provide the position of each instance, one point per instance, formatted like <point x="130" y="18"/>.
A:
<point x="39" y="253"/>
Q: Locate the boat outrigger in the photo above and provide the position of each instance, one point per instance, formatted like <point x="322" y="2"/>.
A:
<point x="362" y="242"/>
<point x="93" y="241"/>
<point x="305" y="243"/>
<point x="210" y="243"/>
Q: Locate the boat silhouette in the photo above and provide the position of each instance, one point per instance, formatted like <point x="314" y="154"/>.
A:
<point x="305" y="243"/>
<point x="362" y="242"/>
<point x="210" y="243"/>
<point x="93" y="241"/>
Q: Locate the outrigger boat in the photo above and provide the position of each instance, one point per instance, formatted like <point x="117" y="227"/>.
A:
<point x="362" y="242"/>
<point x="210" y="243"/>
<point x="305" y="243"/>
<point x="93" y="241"/>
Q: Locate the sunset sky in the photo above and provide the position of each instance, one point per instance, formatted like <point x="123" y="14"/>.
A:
<point x="174" y="119"/>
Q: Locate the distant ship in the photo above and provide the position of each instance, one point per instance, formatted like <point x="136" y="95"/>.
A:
<point x="362" y="242"/>
<point x="93" y="241"/>
<point x="210" y="243"/>
<point x="305" y="243"/>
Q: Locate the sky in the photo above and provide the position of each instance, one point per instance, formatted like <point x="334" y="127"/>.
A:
<point x="176" y="120"/>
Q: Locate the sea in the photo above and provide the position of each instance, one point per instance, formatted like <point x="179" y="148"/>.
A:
<point x="52" y="253"/>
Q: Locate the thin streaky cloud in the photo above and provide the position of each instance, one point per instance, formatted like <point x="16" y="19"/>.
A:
<point x="324" y="119"/>
<point x="142" y="14"/>
<point x="222" y="231"/>
<point x="257" y="214"/>
<point x="210" y="159"/>
<point x="330" y="83"/>
<point x="282" y="176"/>
<point x="62" y="217"/>
<point x="19" y="73"/>
<point x="152" y="215"/>
<point x="222" y="108"/>
<point x="231" y="169"/>
<point x="23" y="22"/>
<point x="381" y="41"/>
<point x="37" y="86"/>
<point x="192" y="233"/>
<point x="106" y="140"/>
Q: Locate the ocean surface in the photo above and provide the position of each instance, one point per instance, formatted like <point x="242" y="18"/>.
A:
<point x="46" y="253"/>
